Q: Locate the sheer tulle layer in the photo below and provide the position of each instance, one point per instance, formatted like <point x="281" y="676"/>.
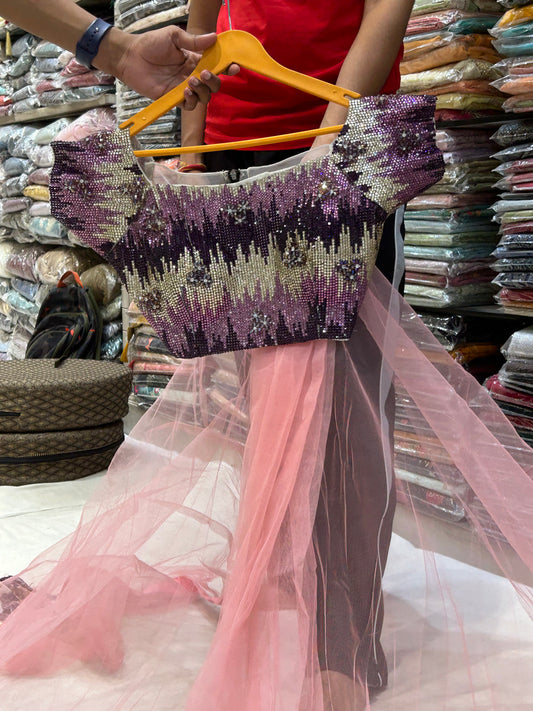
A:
<point x="234" y="553"/>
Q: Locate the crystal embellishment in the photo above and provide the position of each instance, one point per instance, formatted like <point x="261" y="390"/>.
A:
<point x="294" y="255"/>
<point x="199" y="275"/>
<point x="239" y="213"/>
<point x="151" y="300"/>
<point x="349" y="269"/>
<point x="260" y="323"/>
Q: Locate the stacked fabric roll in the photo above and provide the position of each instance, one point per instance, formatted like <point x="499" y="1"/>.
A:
<point x="450" y="234"/>
<point x="40" y="73"/>
<point x="449" y="53"/>
<point x="514" y="41"/>
<point x="512" y="387"/>
<point x="514" y="214"/>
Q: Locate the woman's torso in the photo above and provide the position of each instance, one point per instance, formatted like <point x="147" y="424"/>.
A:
<point x="312" y="38"/>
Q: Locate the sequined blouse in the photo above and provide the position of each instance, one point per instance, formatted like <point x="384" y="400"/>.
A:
<point x="279" y="258"/>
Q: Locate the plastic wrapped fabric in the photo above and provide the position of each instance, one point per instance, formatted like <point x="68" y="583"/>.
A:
<point x="22" y="260"/>
<point x="520" y="345"/>
<point x="450" y="139"/>
<point x="516" y="242"/>
<point x="514" y="17"/>
<point x="28" y="289"/>
<point x="463" y="253"/>
<point x="48" y="230"/>
<point x="450" y="201"/>
<point x="513" y="85"/>
<point x="40" y="209"/>
<point x="482" y="276"/>
<point x="27" y="92"/>
<point x="469" y="102"/>
<point x="457" y="21"/>
<point x="515" y="167"/>
<point x="19" y="341"/>
<point x="46" y="49"/>
<point x="16" y="220"/>
<point x="143" y="9"/>
<point x="88" y="79"/>
<point x="22" y="65"/>
<point x="100" y="119"/>
<point x="54" y="263"/>
<point x="22" y="45"/>
<point x="22" y="107"/>
<point x="480" y="87"/>
<point x="166" y="583"/>
<point x="37" y="192"/>
<point x="4" y="342"/>
<point x="48" y="133"/>
<point x="14" y="204"/>
<point x="515" y="280"/>
<point x="20" y="305"/>
<point x="112" y="311"/>
<point x="111" y="329"/>
<point x="514" y="264"/>
<point x="14" y="186"/>
<point x="472" y="295"/>
<point x="515" y="152"/>
<point x="112" y="348"/>
<point x="456" y="50"/>
<point x="522" y="103"/>
<point x="42" y="156"/>
<point x="16" y="166"/>
<point x="6" y="247"/>
<point x="19" y="140"/>
<point x="514" y="46"/>
<point x="41" y="176"/>
<point x="466" y="239"/>
<point x="103" y="281"/>
<point x="448" y="269"/>
<point x="73" y="68"/>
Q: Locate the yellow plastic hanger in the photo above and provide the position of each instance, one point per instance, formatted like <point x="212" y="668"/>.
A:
<point x="242" y="48"/>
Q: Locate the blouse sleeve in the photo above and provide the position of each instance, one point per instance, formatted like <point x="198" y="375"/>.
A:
<point x="388" y="148"/>
<point x="95" y="188"/>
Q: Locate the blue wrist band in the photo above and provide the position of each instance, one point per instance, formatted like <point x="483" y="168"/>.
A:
<point x="89" y="44"/>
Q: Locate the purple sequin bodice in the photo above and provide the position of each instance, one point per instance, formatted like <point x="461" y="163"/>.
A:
<point x="280" y="258"/>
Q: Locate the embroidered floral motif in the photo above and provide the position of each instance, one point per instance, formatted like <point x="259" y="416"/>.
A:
<point x="79" y="185"/>
<point x="103" y="142"/>
<point x="327" y="189"/>
<point x="260" y="323"/>
<point x="135" y="188"/>
<point x="409" y="141"/>
<point x="239" y="213"/>
<point x="151" y="300"/>
<point x="153" y="221"/>
<point x="200" y="275"/>
<point x="294" y="255"/>
<point x="349" y="269"/>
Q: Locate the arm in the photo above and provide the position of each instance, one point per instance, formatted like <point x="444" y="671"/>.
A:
<point x="372" y="54"/>
<point x="151" y="63"/>
<point x="203" y="16"/>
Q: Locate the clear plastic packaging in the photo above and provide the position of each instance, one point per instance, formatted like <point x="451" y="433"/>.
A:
<point x="20" y="140"/>
<point x="46" y="49"/>
<point x="20" y="304"/>
<point x="22" y="45"/>
<point x="511" y="133"/>
<point x="22" y="65"/>
<point x="16" y="166"/>
<point x="15" y="204"/>
<point x="48" y="230"/>
<point x="112" y="311"/>
<point x="22" y="107"/>
<point x="6" y="248"/>
<point x="22" y="262"/>
<point x="28" y="289"/>
<point x="40" y="176"/>
<point x="47" y="134"/>
<point x="48" y="65"/>
<point x="40" y="209"/>
<point x="14" y="186"/>
<point x="19" y="341"/>
<point x="104" y="283"/>
<point x="37" y="192"/>
<point x="55" y="262"/>
<point x="42" y="156"/>
<point x="510" y="153"/>
<point x="112" y="348"/>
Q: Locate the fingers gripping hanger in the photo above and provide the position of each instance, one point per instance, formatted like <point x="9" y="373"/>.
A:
<point x="242" y="48"/>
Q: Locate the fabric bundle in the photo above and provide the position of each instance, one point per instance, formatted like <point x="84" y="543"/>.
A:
<point x="513" y="214"/>
<point x="512" y="387"/>
<point x="135" y="15"/>
<point x="40" y="74"/>
<point x="514" y="41"/>
<point x="448" y="53"/>
<point x="449" y="230"/>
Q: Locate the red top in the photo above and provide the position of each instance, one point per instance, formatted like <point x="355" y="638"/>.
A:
<point x="310" y="37"/>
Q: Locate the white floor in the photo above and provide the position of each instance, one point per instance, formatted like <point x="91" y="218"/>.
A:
<point x="500" y="633"/>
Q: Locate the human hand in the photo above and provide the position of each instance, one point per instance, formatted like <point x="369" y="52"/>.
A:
<point x="155" y="62"/>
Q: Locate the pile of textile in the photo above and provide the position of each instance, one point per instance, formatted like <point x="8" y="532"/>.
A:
<point x="35" y="249"/>
<point x="514" y="41"/>
<point x="133" y="15"/>
<point x="38" y="74"/>
<point x="449" y="53"/>
<point x="450" y="234"/>
<point x="514" y="214"/>
<point x="512" y="387"/>
<point x="137" y="15"/>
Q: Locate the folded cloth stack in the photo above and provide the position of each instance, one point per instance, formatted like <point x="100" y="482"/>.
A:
<point x="449" y="53"/>
<point x="514" y="215"/>
<point x="512" y="387"/>
<point x="135" y="15"/>
<point x="472" y="341"/>
<point x="40" y="73"/>
<point x="449" y="230"/>
<point x="514" y="40"/>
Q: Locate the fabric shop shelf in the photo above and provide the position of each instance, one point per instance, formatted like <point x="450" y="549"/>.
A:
<point x="51" y="112"/>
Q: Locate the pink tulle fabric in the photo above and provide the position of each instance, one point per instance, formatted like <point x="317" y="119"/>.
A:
<point x="193" y="578"/>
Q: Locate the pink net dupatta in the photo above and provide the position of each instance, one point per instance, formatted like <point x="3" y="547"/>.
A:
<point x="221" y="565"/>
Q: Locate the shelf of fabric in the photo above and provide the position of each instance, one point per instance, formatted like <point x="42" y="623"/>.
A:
<point x="487" y="310"/>
<point x="51" y="112"/>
